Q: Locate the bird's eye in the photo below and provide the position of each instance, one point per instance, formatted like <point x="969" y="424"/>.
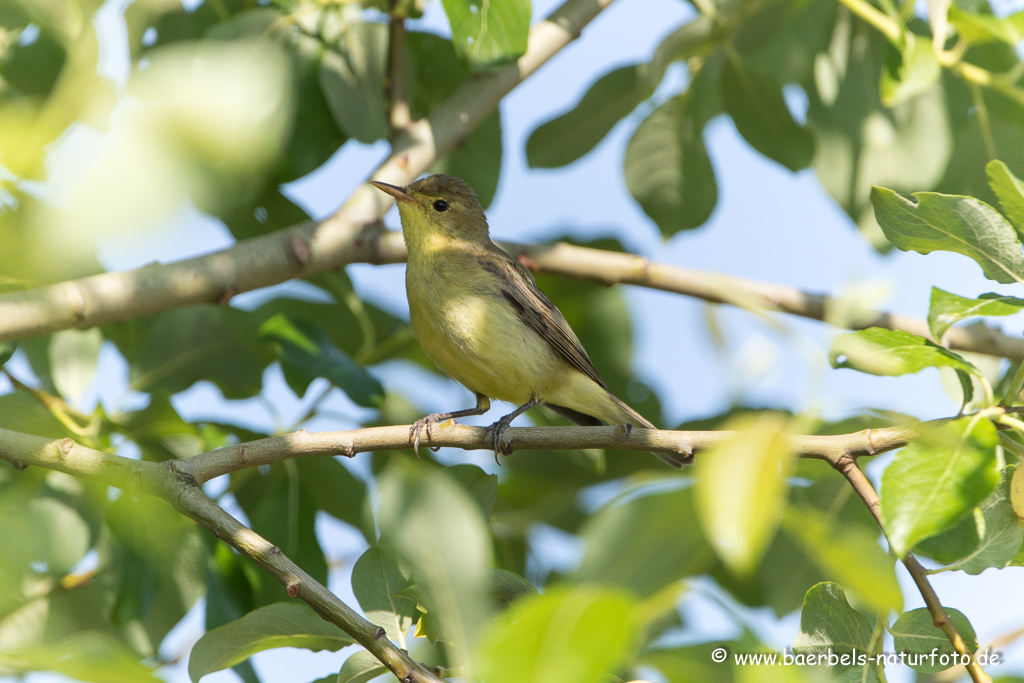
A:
<point x="440" y="206"/>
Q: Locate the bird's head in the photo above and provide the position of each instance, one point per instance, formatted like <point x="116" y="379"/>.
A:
<point x="439" y="206"/>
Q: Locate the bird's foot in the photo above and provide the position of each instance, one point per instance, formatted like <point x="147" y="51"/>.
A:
<point x="497" y="431"/>
<point x="427" y="423"/>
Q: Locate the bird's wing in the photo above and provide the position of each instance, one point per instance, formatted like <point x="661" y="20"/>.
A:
<point x="537" y="311"/>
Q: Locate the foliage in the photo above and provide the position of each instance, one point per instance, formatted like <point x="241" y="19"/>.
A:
<point x="229" y="100"/>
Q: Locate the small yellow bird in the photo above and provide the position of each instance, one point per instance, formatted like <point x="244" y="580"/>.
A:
<point x="480" y="316"/>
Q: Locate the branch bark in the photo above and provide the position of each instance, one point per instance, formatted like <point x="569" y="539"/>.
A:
<point x="301" y="250"/>
<point x="181" y="490"/>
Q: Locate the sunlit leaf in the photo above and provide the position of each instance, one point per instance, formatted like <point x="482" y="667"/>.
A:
<point x="912" y="73"/>
<point x="74" y="355"/>
<point x="947" y="309"/>
<point x="351" y="77"/>
<point x="1010" y="191"/>
<point x="829" y="625"/>
<point x="360" y="667"/>
<point x="880" y="351"/>
<point x="927" y="647"/>
<point x="377" y="579"/>
<point x="983" y="27"/>
<point x="488" y="34"/>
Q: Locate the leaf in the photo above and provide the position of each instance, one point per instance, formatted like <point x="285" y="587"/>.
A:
<point x="488" y="34"/>
<point x="74" y="355"/>
<point x="360" y="667"/>
<point x="829" y="625"/>
<point x="307" y="352"/>
<point x="351" y="78"/>
<point x="336" y="491"/>
<point x="754" y="100"/>
<point x="640" y="544"/>
<point x="282" y="624"/>
<point x="377" y="579"/>
<point x="879" y="351"/>
<point x="574" y="635"/>
<point x="939" y="222"/>
<point x="508" y="587"/>
<point x="571" y="135"/>
<point x="938" y="479"/>
<point x="740" y="492"/>
<point x="668" y="171"/>
<point x="694" y="38"/>
<point x="915" y="633"/>
<point x="477" y="160"/>
<point x="914" y="72"/>
<point x="1009" y="190"/>
<point x="87" y="656"/>
<point x="849" y="555"/>
<point x="983" y="27"/>
<point x="947" y="309"/>
<point x="438" y="531"/>
<point x="1000" y="533"/>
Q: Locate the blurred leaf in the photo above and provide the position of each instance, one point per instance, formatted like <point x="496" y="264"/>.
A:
<point x="829" y="625"/>
<point x="1010" y="191"/>
<point x="438" y="531"/>
<point x="488" y="34"/>
<point x="567" y="137"/>
<point x="879" y="351"/>
<point x="360" y="667"/>
<point x="161" y="433"/>
<point x="7" y="350"/>
<point x="915" y="633"/>
<point x="282" y="624"/>
<point x="508" y="587"/>
<point x="21" y="412"/>
<point x="938" y="479"/>
<point x="333" y="489"/>
<point x="173" y="350"/>
<point x="477" y="160"/>
<point x="667" y="168"/>
<point x="948" y="309"/>
<point x="784" y="38"/>
<point x="911" y="73"/>
<point x="641" y="544"/>
<point x="351" y="78"/>
<point x="983" y="27"/>
<point x="740" y="492"/>
<point x="753" y="98"/>
<point x="574" y="635"/>
<point x="307" y="352"/>
<point x="482" y="487"/>
<point x="74" y="355"/>
<point x="691" y="664"/>
<point x="87" y="656"/>
<point x="849" y="555"/>
<point x="377" y="579"/>
<point x="269" y="211"/>
<point x="937" y="222"/>
<point x="694" y="38"/>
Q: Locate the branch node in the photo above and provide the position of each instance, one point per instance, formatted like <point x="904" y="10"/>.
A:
<point x="379" y="633"/>
<point x="528" y="262"/>
<point x="627" y="428"/>
<point x="64" y="447"/>
<point x="293" y="587"/>
<point x="241" y="454"/>
<point x="687" y="454"/>
<point x="227" y="295"/>
<point x="349" y="450"/>
<point x="871" y="444"/>
<point x="79" y="302"/>
<point x="18" y="465"/>
<point x="275" y="551"/>
<point x="301" y="249"/>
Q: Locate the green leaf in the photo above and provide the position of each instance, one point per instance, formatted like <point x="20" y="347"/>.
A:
<point x="351" y="78"/>
<point x="377" y="579"/>
<point x="947" y="309"/>
<point x="437" y="530"/>
<point x="915" y="633"/>
<point x="282" y="624"/>
<point x="849" y="555"/>
<point x="74" y="355"/>
<point x="879" y="351"/>
<point x="567" y="137"/>
<point x="829" y="625"/>
<point x="691" y="664"/>
<point x="87" y="656"/>
<point x="307" y="352"/>
<point x="488" y="34"/>
<point x="508" y="587"/>
<point x="668" y="171"/>
<point x="1009" y="190"/>
<point x="640" y="545"/>
<point x="477" y="160"/>
<point x="577" y="635"/>
<point x="694" y="38"/>
<point x="999" y="533"/>
<point x="754" y="100"/>
<point x="912" y="73"/>
<point x="7" y="350"/>
<point x="336" y="491"/>
<point x="740" y="492"/>
<point x="938" y="479"/>
<point x="982" y="27"/>
<point x="360" y="667"/>
<point x="940" y="222"/>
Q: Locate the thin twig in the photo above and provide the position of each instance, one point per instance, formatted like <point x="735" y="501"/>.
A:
<point x="399" y="115"/>
<point x="848" y="468"/>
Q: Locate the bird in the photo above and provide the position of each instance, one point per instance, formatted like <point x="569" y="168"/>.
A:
<point x="482" y="319"/>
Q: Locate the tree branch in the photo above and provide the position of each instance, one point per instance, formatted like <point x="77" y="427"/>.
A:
<point x="181" y="490"/>
<point x="300" y="250"/>
<point x="399" y="116"/>
<point x="849" y="469"/>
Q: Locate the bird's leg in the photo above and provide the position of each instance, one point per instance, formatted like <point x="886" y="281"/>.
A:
<point x="483" y="404"/>
<point x="499" y="426"/>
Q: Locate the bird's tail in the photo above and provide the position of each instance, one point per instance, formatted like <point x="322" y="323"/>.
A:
<point x="627" y="414"/>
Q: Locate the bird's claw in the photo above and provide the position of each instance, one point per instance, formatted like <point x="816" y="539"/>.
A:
<point x="497" y="431"/>
<point x="426" y="423"/>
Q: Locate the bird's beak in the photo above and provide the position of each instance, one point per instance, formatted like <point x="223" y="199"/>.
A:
<point x="393" y="190"/>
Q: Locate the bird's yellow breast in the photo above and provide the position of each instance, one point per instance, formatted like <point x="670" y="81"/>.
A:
<point x="471" y="331"/>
